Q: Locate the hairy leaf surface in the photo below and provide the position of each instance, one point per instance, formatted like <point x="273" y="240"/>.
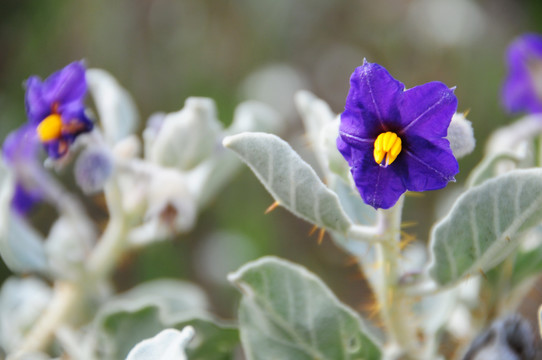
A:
<point x="289" y="179"/>
<point x="289" y="313"/>
<point x="485" y="224"/>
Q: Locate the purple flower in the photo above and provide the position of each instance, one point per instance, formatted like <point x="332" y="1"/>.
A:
<point x="55" y="108"/>
<point x="522" y="89"/>
<point x="56" y="116"/>
<point x="394" y="139"/>
<point x="20" y="153"/>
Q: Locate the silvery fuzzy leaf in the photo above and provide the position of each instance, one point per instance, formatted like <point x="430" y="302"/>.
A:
<point x="255" y="116"/>
<point x="209" y="177"/>
<point x="66" y="251"/>
<point x="322" y="130"/>
<point x="314" y="112"/>
<point x="361" y="214"/>
<point x="22" y="301"/>
<point x="289" y="179"/>
<point x="116" y="108"/>
<point x="151" y="307"/>
<point x="485" y="224"/>
<point x="508" y="138"/>
<point x="169" y="344"/>
<point x="171" y="208"/>
<point x="187" y="137"/>
<point x="288" y="313"/>
<point x="487" y="169"/>
<point x="21" y="246"/>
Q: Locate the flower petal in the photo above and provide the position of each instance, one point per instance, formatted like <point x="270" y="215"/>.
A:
<point x="21" y="145"/>
<point x="66" y="85"/>
<point x="36" y="108"/>
<point x="24" y="199"/>
<point x="427" y="110"/>
<point x="378" y="186"/>
<point x="429" y="165"/>
<point x="74" y="119"/>
<point x="371" y="102"/>
<point x="519" y="91"/>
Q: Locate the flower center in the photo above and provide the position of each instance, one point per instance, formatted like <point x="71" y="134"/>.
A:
<point x="50" y="128"/>
<point x="387" y="145"/>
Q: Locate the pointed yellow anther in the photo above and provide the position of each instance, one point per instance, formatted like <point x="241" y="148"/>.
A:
<point x="50" y="128"/>
<point x="388" y="146"/>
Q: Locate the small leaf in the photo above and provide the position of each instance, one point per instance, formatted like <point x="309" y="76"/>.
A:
<point x="21" y="246"/>
<point x="169" y="344"/>
<point x="527" y="264"/>
<point x="487" y="168"/>
<point x="117" y="110"/>
<point x="288" y="313"/>
<point x="22" y="302"/>
<point x="485" y="224"/>
<point x="187" y="137"/>
<point x="289" y="179"/>
<point x="151" y="307"/>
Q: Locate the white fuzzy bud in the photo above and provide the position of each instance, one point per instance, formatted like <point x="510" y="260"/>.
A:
<point x="461" y="136"/>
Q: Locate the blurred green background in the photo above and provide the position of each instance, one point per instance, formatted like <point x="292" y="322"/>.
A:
<point x="164" y="51"/>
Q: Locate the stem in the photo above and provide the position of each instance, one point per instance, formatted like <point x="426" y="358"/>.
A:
<point x="66" y="296"/>
<point x="99" y="265"/>
<point x="113" y="242"/>
<point x="394" y="302"/>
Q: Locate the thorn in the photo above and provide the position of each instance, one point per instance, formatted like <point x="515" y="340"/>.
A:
<point x="483" y="274"/>
<point x="373" y="307"/>
<point x="321" y="235"/>
<point x="351" y="261"/>
<point x="313" y="230"/>
<point x="271" y="207"/>
<point x="408" y="224"/>
<point x="390" y="297"/>
<point x="408" y="239"/>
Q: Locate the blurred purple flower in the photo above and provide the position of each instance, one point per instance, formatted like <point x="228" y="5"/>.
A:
<point x="522" y="89"/>
<point x="20" y="153"/>
<point x="56" y="116"/>
<point x="55" y="108"/>
<point x="394" y="139"/>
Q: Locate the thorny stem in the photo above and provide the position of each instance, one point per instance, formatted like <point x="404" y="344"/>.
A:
<point x="393" y="301"/>
<point x="65" y="298"/>
<point x="67" y="295"/>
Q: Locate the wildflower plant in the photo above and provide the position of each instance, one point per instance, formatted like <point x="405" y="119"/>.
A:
<point x="476" y="265"/>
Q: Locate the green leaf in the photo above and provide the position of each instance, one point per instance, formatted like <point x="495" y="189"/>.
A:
<point x="186" y="137"/>
<point x="528" y="263"/>
<point x="149" y="308"/>
<point x="21" y="247"/>
<point x="118" y="113"/>
<point x="289" y="179"/>
<point x="486" y="169"/>
<point x="169" y="344"/>
<point x="288" y="313"/>
<point x="485" y="224"/>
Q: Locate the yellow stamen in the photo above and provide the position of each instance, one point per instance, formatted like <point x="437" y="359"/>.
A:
<point x="388" y="146"/>
<point x="50" y="128"/>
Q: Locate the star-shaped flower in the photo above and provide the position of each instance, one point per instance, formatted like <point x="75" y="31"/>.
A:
<point x="522" y="89"/>
<point x="394" y="139"/>
<point x="56" y="116"/>
<point x="55" y="108"/>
